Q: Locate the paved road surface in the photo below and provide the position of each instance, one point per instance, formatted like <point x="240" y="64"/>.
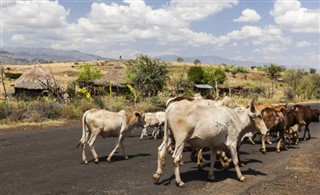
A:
<point x="45" y="161"/>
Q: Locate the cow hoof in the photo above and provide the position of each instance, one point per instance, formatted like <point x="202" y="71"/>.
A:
<point x="242" y="178"/>
<point x="109" y="160"/>
<point x="263" y="151"/>
<point x="199" y="167"/>
<point x="242" y="164"/>
<point x="211" y="178"/>
<point x="156" y="178"/>
<point x="85" y="162"/>
<point x="278" y="151"/>
<point x="96" y="161"/>
<point x="181" y="185"/>
<point x="126" y="157"/>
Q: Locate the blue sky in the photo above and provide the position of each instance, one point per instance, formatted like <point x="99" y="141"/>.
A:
<point x="285" y="32"/>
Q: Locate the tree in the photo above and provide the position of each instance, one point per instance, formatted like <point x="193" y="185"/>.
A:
<point x="214" y="75"/>
<point x="195" y="74"/>
<point x="274" y="71"/>
<point x="2" y="73"/>
<point x="87" y="73"/>
<point x="313" y="71"/>
<point x="148" y="75"/>
<point x="180" y="59"/>
<point x="293" y="78"/>
<point x="197" y="61"/>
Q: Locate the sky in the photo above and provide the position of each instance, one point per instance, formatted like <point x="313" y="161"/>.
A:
<point x="285" y="32"/>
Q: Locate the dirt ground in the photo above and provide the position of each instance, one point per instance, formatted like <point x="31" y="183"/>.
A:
<point x="298" y="175"/>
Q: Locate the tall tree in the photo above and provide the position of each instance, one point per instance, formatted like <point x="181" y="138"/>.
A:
<point x="2" y="80"/>
<point x="148" y="75"/>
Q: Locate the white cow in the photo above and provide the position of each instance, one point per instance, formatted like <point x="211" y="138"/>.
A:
<point x="152" y="119"/>
<point x="107" y="124"/>
<point x="206" y="126"/>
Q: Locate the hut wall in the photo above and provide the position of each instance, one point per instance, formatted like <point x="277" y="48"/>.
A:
<point x="23" y="93"/>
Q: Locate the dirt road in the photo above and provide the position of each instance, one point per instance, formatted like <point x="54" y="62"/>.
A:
<point x="45" y="161"/>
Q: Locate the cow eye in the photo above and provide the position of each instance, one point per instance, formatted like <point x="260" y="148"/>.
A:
<point x="259" y="116"/>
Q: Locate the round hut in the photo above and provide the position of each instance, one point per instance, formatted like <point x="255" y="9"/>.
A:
<point x="35" y="82"/>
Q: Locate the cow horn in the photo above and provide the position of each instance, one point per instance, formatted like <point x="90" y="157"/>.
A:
<point x="252" y="108"/>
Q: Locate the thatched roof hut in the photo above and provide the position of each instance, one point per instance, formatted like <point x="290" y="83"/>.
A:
<point x="117" y="74"/>
<point x="35" y="81"/>
<point x="116" y="77"/>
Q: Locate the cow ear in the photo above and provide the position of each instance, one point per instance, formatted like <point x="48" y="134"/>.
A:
<point x="138" y="114"/>
<point x="251" y="106"/>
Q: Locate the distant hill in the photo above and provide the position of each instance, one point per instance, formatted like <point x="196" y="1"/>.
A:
<point x="219" y="60"/>
<point x="211" y="60"/>
<point x="43" y="55"/>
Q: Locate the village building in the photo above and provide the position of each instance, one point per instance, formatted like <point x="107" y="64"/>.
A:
<point x="35" y="82"/>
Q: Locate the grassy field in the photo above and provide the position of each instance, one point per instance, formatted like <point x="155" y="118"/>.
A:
<point x="66" y="73"/>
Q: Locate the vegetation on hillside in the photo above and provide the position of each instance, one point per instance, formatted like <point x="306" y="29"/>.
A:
<point x="152" y="82"/>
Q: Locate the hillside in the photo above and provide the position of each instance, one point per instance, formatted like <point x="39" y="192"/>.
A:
<point x="210" y="60"/>
<point x="43" y="55"/>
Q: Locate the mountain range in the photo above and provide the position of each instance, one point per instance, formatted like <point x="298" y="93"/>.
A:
<point x="22" y="55"/>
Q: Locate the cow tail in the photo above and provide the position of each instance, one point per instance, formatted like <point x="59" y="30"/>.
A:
<point x="84" y="130"/>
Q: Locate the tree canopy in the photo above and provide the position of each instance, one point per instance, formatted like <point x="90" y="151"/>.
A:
<point x="148" y="75"/>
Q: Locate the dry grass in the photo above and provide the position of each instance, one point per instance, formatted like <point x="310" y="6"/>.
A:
<point x="66" y="73"/>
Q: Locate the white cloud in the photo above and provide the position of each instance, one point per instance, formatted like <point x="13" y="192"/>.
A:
<point x="245" y="32"/>
<point x="34" y="14"/>
<point x="271" y="48"/>
<point x="303" y="44"/>
<point x="17" y="38"/>
<point x="248" y="15"/>
<point x="290" y="15"/>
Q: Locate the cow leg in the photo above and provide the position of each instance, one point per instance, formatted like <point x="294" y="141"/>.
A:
<point x="93" y="151"/>
<point x="144" y="133"/>
<point x="304" y="133"/>
<point x="155" y="132"/>
<point x="200" y="158"/>
<point x="84" y="158"/>
<point x="213" y="160"/>
<point x="116" y="147"/>
<point x="176" y="157"/>
<point x="122" y="148"/>
<point x="296" y="137"/>
<point x="263" y="144"/>
<point x="281" y="139"/>
<point x="251" y="140"/>
<point x="161" y="159"/>
<point x="234" y="156"/>
<point x="309" y="135"/>
<point x="268" y="138"/>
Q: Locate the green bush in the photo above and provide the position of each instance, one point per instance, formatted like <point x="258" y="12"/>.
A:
<point x="11" y="75"/>
<point x="195" y="74"/>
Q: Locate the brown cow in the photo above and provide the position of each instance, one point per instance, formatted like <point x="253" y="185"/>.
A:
<point x="308" y="116"/>
<point x="275" y="122"/>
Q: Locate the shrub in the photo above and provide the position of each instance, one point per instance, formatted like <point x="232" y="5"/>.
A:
<point x="289" y="94"/>
<point x="196" y="74"/>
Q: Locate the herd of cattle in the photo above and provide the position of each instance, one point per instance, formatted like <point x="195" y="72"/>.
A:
<point x="219" y="125"/>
